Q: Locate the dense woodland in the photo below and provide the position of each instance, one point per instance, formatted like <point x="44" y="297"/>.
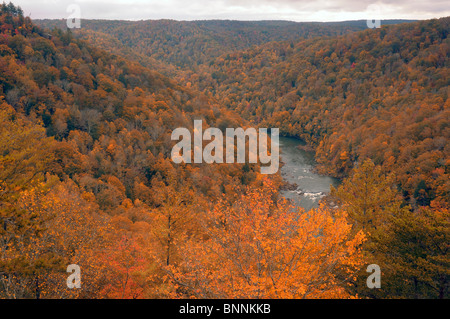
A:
<point x="378" y="94"/>
<point x="86" y="176"/>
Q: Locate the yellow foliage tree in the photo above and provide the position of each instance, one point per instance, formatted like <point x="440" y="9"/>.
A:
<point x="261" y="248"/>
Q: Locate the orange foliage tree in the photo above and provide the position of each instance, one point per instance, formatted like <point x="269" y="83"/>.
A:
<point x="264" y="248"/>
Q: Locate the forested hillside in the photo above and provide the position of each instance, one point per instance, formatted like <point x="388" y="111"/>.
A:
<point x="368" y="94"/>
<point x="84" y="132"/>
<point x="86" y="177"/>
<point x="379" y="94"/>
<point x="187" y="44"/>
<point x="374" y="106"/>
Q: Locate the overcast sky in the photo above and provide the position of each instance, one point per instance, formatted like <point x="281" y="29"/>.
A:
<point x="294" y="10"/>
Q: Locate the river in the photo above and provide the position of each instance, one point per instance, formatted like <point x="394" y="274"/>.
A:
<point x="298" y="169"/>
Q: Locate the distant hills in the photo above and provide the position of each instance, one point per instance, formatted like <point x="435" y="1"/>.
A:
<point x="189" y="43"/>
<point x="86" y="174"/>
<point x="336" y="85"/>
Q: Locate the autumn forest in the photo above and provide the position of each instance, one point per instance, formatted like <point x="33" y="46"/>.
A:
<point x="86" y="175"/>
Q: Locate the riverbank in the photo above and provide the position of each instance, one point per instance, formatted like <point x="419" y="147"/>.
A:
<point x="303" y="185"/>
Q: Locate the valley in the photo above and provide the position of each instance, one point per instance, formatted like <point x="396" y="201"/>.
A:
<point x="88" y="177"/>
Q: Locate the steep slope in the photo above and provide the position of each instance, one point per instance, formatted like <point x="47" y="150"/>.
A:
<point x="86" y="181"/>
<point x="92" y="100"/>
<point x="379" y="94"/>
<point x="78" y="121"/>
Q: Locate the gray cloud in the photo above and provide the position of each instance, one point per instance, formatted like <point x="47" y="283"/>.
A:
<point x="296" y="10"/>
